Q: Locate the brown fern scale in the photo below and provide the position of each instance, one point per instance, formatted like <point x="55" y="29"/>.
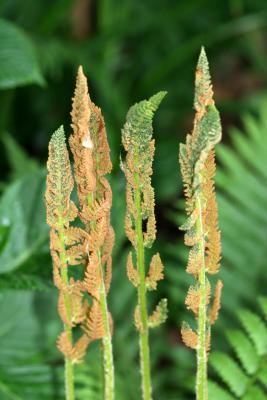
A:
<point x="197" y="161"/>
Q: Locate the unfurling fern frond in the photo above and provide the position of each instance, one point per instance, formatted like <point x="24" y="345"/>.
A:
<point x="244" y="373"/>
<point x="197" y="163"/>
<point x="140" y="223"/>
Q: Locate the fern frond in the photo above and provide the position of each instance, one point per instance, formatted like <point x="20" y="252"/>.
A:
<point x="92" y="163"/>
<point x="256" y="329"/>
<point x="140" y="223"/>
<point x="246" y="377"/>
<point x="198" y="167"/>
<point x="155" y="272"/>
<point x="190" y="337"/>
<point x="244" y="350"/>
<point x="158" y="316"/>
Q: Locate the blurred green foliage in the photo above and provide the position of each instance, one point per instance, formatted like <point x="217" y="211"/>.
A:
<point x="129" y="50"/>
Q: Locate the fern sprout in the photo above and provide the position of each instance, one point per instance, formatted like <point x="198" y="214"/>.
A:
<point x="139" y="145"/>
<point x="197" y="163"/>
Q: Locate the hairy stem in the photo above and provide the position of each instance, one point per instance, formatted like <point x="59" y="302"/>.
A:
<point x="144" y="339"/>
<point x="69" y="375"/>
<point x="107" y="340"/>
<point x="202" y="389"/>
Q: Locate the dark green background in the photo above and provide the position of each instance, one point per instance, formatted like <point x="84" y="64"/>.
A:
<point x="129" y="51"/>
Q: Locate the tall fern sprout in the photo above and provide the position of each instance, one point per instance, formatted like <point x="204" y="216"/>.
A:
<point x="202" y="234"/>
<point x="140" y="224"/>
<point x="64" y="250"/>
<point x="91" y="163"/>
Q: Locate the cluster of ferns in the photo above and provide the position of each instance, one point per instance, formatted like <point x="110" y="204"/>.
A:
<point x="81" y="236"/>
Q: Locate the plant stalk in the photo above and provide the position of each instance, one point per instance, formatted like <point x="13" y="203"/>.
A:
<point x="109" y="383"/>
<point x="142" y="303"/>
<point x="69" y="375"/>
<point x="202" y="387"/>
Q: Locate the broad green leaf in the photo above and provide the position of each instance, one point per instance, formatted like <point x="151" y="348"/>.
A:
<point x="25" y="369"/>
<point x="22" y="214"/>
<point x="18" y="62"/>
<point x="19" y="162"/>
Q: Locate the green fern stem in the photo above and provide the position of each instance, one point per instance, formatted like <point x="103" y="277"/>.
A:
<point x="106" y="340"/>
<point x="142" y="303"/>
<point x="201" y="386"/>
<point x="69" y="372"/>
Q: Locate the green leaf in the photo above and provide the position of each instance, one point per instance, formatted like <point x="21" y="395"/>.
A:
<point x="218" y="393"/>
<point x="24" y="369"/>
<point x="254" y="393"/>
<point x="256" y="329"/>
<point x="230" y="372"/>
<point x="22" y="211"/>
<point x="244" y="350"/>
<point x="19" y="162"/>
<point x="18" y="62"/>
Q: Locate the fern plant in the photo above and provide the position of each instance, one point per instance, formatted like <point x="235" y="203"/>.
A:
<point x="88" y="248"/>
<point x="202" y="234"/>
<point x="244" y="374"/>
<point x="140" y="224"/>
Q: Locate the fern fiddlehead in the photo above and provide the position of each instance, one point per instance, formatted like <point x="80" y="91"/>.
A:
<point x="197" y="163"/>
<point x="139" y="145"/>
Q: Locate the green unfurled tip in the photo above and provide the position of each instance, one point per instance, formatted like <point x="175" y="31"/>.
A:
<point x="137" y="131"/>
<point x="202" y="59"/>
<point x="156" y="99"/>
<point x="58" y="137"/>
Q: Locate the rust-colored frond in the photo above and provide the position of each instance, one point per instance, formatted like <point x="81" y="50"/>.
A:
<point x="81" y="141"/>
<point x="194" y="262"/>
<point x="92" y="278"/>
<point x="213" y="242"/>
<point x="159" y="315"/>
<point x="64" y="345"/>
<point x="131" y="271"/>
<point x="189" y="337"/>
<point x="94" y="323"/>
<point x="192" y="299"/>
<point x="75" y="353"/>
<point x="79" y="349"/>
<point x="214" y="311"/>
<point x="155" y="273"/>
<point x="60" y="210"/>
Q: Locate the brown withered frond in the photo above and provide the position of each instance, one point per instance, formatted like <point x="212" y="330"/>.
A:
<point x="94" y="326"/>
<point x="81" y="141"/>
<point x="155" y="272"/>
<point x="132" y="271"/>
<point x="192" y="300"/>
<point x="189" y="337"/>
<point x="214" y="311"/>
<point x="77" y="352"/>
<point x="213" y="241"/>
<point x="92" y="163"/>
